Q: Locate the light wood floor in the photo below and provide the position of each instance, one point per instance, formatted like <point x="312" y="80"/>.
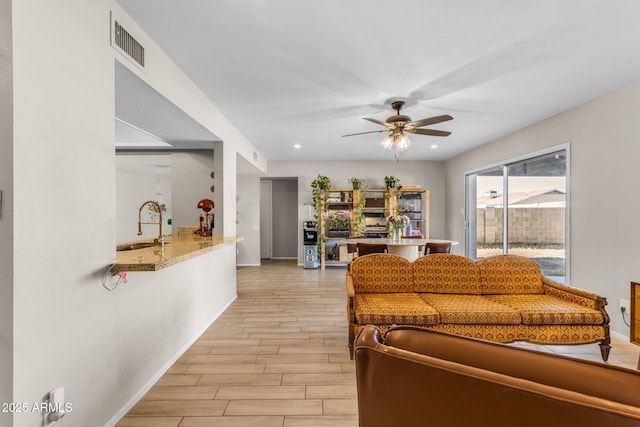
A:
<point x="278" y="358"/>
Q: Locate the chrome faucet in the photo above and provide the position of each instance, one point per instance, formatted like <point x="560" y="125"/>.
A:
<point x="160" y="238"/>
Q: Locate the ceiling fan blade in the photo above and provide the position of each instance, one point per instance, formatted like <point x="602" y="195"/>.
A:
<point x="362" y="133"/>
<point x="380" y="122"/>
<point x="428" y="121"/>
<point x="431" y="132"/>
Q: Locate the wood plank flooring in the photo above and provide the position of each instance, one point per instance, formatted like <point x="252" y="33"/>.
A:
<point x="278" y="358"/>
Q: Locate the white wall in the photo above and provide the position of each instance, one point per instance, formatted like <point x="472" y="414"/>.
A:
<point x="191" y="182"/>
<point x="605" y="154"/>
<point x="429" y="175"/>
<point x="132" y="190"/>
<point x="6" y="212"/>
<point x="67" y="329"/>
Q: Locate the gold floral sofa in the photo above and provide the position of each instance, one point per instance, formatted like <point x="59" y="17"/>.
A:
<point x="503" y="298"/>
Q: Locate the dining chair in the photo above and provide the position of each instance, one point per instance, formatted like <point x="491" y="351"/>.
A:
<point x="437" y="248"/>
<point x="352" y="250"/>
<point x="371" y="248"/>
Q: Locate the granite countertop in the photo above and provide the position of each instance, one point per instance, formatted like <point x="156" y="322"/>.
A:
<point x="176" y="250"/>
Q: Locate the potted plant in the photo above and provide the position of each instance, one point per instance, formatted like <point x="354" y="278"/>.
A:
<point x="332" y="252"/>
<point x="357" y="183"/>
<point x="391" y="182"/>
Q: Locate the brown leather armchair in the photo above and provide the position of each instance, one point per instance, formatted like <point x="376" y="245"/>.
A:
<point x="417" y="377"/>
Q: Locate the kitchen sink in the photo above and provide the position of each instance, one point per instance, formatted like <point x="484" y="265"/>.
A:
<point x="137" y="245"/>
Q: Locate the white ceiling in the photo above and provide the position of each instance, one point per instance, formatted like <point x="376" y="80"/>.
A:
<point x="306" y="71"/>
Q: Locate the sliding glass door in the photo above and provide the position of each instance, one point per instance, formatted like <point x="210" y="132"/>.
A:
<point x="519" y="208"/>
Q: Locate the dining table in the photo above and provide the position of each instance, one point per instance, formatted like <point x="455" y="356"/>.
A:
<point x="406" y="248"/>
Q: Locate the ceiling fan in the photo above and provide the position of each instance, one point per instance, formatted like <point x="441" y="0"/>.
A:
<point x="397" y="125"/>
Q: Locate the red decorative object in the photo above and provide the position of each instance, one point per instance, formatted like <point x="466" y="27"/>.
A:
<point x="205" y="204"/>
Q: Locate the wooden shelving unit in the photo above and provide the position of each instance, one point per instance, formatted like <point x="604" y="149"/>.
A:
<point x="336" y="224"/>
<point x="337" y="216"/>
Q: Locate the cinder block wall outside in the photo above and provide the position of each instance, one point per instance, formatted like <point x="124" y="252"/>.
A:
<point x="539" y="226"/>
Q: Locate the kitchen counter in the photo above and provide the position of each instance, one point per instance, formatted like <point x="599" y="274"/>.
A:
<point x="176" y="250"/>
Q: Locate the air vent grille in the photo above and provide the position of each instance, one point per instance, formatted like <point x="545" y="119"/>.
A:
<point x="128" y="44"/>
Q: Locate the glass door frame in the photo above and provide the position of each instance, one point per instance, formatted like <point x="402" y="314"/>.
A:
<point x="470" y="204"/>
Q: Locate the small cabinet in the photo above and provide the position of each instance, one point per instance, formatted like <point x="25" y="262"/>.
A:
<point x="635" y="316"/>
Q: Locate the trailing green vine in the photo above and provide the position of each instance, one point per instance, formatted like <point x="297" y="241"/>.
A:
<point x="359" y="225"/>
<point x="319" y="187"/>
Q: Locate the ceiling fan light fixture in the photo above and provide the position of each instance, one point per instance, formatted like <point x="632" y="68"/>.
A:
<point x="396" y="139"/>
<point x="398" y="124"/>
<point x="387" y="142"/>
<point x="402" y="141"/>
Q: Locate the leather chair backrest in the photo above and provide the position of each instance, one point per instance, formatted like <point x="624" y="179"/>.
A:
<point x="437" y="248"/>
<point x="371" y="248"/>
<point x="587" y="377"/>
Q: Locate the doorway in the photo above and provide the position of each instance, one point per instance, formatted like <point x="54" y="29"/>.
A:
<point x="279" y="228"/>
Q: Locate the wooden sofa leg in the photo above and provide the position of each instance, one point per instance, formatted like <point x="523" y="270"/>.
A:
<point x="605" y="348"/>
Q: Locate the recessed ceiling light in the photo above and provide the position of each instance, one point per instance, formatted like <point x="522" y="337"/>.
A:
<point x="297" y="146"/>
<point x="434" y="146"/>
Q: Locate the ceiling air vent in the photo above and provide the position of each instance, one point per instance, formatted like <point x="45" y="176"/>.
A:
<point x="127" y="44"/>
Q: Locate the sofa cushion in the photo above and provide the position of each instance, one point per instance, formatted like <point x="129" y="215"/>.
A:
<point x="471" y="309"/>
<point x="381" y="273"/>
<point x="446" y="274"/>
<point x="549" y="310"/>
<point x="510" y="274"/>
<point x="394" y="308"/>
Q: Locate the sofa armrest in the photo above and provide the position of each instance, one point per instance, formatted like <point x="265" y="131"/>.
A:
<point x="351" y="291"/>
<point x="578" y="296"/>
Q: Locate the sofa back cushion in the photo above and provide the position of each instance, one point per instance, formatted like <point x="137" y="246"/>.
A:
<point x="510" y="274"/>
<point x="382" y="273"/>
<point x="446" y="274"/>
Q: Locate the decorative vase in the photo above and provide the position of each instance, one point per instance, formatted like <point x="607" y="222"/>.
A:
<point x="396" y="234"/>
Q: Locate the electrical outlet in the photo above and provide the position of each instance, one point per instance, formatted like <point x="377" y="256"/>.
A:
<point x="624" y="303"/>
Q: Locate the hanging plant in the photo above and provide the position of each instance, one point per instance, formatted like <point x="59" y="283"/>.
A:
<point x="393" y="185"/>
<point x="359" y="225"/>
<point x="391" y="182"/>
<point x="319" y="188"/>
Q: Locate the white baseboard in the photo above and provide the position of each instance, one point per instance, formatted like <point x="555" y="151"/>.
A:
<point x="619" y="335"/>
<point x="156" y="377"/>
<point x="248" y="265"/>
